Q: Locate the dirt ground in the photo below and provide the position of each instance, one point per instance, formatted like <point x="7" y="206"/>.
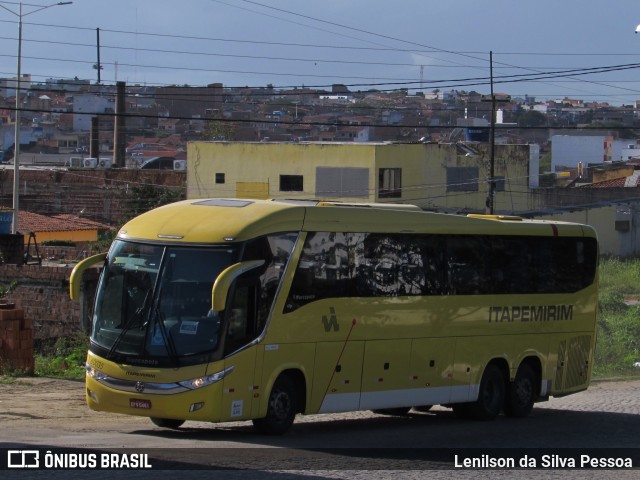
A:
<point x="52" y="404"/>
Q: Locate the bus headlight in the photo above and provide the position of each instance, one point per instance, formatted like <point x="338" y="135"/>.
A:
<point x="206" y="380"/>
<point x="95" y="373"/>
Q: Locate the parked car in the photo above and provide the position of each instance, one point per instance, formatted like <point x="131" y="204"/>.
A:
<point x="158" y="163"/>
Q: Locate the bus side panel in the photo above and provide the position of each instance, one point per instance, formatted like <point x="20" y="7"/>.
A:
<point x="238" y="386"/>
<point x="431" y="370"/>
<point x="337" y="377"/>
<point x="385" y="374"/>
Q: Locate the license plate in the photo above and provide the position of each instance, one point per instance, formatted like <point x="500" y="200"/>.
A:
<point x="138" y="403"/>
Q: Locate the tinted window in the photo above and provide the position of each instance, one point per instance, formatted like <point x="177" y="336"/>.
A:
<point x="334" y="265"/>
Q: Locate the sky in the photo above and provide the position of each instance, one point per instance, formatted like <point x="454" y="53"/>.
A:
<point x="547" y="49"/>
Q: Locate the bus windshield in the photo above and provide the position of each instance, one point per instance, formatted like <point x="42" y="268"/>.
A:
<point x="153" y="303"/>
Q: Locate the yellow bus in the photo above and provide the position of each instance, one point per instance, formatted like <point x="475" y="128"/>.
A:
<point x="222" y="310"/>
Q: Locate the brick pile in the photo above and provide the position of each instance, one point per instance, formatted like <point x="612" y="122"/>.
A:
<point x="16" y="341"/>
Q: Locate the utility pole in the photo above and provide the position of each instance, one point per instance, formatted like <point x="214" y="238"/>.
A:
<point x="492" y="141"/>
<point x="16" y="145"/>
<point x="98" y="66"/>
<point x="119" y="146"/>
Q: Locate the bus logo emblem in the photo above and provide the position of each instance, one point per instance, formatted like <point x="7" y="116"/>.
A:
<point x="332" y="322"/>
<point x="139" y="387"/>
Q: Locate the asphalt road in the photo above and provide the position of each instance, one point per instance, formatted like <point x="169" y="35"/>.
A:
<point x="601" y="423"/>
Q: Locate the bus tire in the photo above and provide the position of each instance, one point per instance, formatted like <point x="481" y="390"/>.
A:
<point x="167" y="422"/>
<point x="491" y="397"/>
<point x="423" y="408"/>
<point x="396" y="412"/>
<point x="282" y="408"/>
<point x="521" y="393"/>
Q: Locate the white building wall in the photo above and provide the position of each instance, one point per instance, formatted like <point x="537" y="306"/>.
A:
<point x="624" y="150"/>
<point x="568" y="150"/>
<point x="88" y="105"/>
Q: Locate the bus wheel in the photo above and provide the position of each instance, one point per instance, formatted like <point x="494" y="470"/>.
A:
<point x="521" y="393"/>
<point x="423" y="408"/>
<point x="490" y="397"/>
<point x="397" y="412"/>
<point x="167" y="422"/>
<point x="282" y="409"/>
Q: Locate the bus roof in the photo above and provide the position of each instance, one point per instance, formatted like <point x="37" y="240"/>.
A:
<point x="217" y="220"/>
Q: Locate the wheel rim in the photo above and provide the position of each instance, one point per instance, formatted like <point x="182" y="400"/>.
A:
<point x="523" y="391"/>
<point x="281" y="405"/>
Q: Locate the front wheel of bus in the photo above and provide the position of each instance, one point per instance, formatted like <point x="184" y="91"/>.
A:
<point x="167" y="422"/>
<point x="282" y="409"/>
<point x="522" y="393"/>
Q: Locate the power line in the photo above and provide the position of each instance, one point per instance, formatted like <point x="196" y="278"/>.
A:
<point x="280" y="58"/>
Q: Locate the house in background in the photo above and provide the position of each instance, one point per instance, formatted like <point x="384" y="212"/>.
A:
<point x="62" y="227"/>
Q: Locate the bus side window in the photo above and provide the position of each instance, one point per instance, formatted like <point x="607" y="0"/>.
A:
<point x="465" y="264"/>
<point x="240" y="318"/>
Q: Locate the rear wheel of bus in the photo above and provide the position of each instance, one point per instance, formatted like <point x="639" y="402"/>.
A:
<point x="522" y="392"/>
<point x="282" y="409"/>
<point x="491" y="397"/>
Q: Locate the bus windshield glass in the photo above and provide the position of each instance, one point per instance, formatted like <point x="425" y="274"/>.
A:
<point x="153" y="303"/>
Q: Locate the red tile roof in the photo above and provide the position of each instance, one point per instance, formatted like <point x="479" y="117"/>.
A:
<point x="34" y="222"/>
<point x="614" y="183"/>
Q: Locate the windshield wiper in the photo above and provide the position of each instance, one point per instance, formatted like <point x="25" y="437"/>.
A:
<point x="138" y="314"/>
<point x="168" y="339"/>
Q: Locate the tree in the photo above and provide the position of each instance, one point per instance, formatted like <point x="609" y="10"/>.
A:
<point x="219" y="130"/>
<point x="146" y="197"/>
<point x="531" y="118"/>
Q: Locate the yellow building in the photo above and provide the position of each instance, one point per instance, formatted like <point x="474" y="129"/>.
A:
<point x="449" y="177"/>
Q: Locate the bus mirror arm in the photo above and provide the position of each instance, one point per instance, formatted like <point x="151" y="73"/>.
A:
<point x="223" y="283"/>
<point x="75" y="280"/>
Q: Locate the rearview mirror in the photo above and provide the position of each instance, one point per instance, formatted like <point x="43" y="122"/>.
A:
<point x="221" y="286"/>
<point x="75" y="280"/>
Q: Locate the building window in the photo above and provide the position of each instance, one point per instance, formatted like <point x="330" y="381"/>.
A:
<point x="291" y="183"/>
<point x="462" y="179"/>
<point x="337" y="182"/>
<point x="219" y="177"/>
<point x="390" y="183"/>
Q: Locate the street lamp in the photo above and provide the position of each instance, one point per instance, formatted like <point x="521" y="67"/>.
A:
<point x="16" y="146"/>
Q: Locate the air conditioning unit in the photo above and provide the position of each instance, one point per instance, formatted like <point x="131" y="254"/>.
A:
<point x="180" y="165"/>
<point x="105" y="162"/>
<point x="75" y="162"/>
<point x="90" y="163"/>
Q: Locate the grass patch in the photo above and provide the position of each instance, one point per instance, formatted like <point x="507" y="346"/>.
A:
<point x="62" y="358"/>
<point x="618" y="342"/>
